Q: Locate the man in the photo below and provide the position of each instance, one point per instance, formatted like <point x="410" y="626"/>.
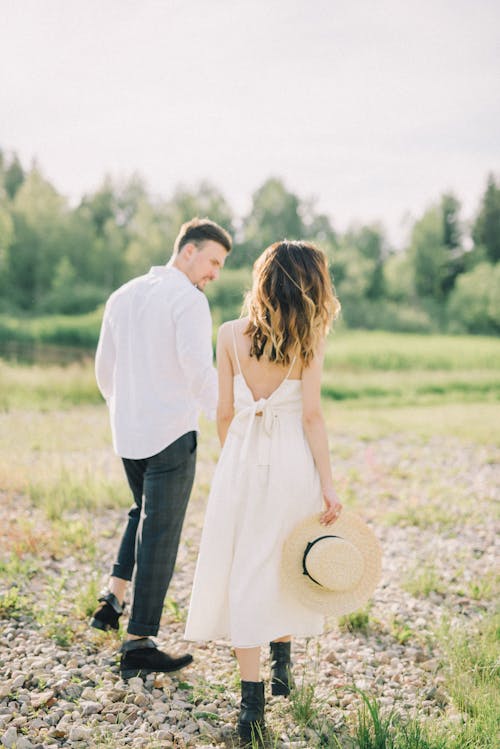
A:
<point x="154" y="367"/>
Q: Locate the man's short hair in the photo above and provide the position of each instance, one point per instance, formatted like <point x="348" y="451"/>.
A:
<point x="200" y="230"/>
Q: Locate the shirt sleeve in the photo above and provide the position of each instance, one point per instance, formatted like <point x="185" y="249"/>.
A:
<point x="193" y="330"/>
<point x="105" y="358"/>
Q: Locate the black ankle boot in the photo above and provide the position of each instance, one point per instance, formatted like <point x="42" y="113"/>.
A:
<point x="142" y="657"/>
<point x="251" y="718"/>
<point x="108" y="612"/>
<point x="281" y="668"/>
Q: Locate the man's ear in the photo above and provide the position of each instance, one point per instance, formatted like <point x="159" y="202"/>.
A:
<point x="189" y="250"/>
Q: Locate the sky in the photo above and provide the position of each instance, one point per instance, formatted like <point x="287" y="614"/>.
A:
<point x="371" y="108"/>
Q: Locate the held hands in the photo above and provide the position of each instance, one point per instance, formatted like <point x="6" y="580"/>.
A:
<point x="333" y="506"/>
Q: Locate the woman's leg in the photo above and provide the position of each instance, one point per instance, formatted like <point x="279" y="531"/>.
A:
<point x="249" y="663"/>
<point x="281" y="666"/>
<point x="251" y="717"/>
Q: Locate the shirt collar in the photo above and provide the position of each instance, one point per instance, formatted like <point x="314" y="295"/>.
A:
<point x="163" y="270"/>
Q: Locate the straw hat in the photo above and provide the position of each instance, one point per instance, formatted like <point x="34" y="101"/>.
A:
<point x="332" y="569"/>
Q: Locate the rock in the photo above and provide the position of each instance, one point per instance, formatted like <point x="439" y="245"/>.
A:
<point x="9" y="738"/>
<point x="23" y="743"/>
<point x="164" y="735"/>
<point x="72" y="691"/>
<point x="430" y="665"/>
<point x="136" y="685"/>
<point x="117" y="695"/>
<point x="54" y="716"/>
<point x="88" y="694"/>
<point x="141" y="700"/>
<point x="155" y="720"/>
<point x="41" y="698"/>
<point x="5" y="689"/>
<point x="90" y="708"/>
<point x="79" y="733"/>
<point x="61" y="729"/>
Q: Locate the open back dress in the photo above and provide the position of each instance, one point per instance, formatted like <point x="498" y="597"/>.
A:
<point x="264" y="483"/>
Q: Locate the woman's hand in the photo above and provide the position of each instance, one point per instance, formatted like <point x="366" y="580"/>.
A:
<point x="333" y="506"/>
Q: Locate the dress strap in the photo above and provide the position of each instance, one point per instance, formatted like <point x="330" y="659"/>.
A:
<point x="291" y="367"/>
<point x="234" y="347"/>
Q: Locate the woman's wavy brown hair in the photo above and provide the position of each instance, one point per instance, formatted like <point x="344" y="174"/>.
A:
<point x="292" y="302"/>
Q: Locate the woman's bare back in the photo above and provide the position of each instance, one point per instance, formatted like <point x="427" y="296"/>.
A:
<point x="261" y="376"/>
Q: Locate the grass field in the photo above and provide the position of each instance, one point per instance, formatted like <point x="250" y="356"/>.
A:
<point x="391" y="402"/>
<point x="362" y="368"/>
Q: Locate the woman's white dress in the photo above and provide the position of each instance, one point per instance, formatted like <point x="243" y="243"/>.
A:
<point x="265" y="482"/>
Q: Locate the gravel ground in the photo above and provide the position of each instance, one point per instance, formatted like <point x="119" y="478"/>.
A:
<point x="432" y="505"/>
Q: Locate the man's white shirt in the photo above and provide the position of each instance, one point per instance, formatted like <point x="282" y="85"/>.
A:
<point x="154" y="361"/>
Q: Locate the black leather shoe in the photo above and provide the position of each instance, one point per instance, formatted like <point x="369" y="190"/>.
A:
<point x="141" y="657"/>
<point x="281" y="668"/>
<point x="251" y="718"/>
<point x="108" y="612"/>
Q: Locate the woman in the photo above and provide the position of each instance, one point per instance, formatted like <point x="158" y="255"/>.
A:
<point x="273" y="471"/>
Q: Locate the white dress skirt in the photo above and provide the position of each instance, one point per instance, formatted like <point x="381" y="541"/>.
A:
<point x="265" y="482"/>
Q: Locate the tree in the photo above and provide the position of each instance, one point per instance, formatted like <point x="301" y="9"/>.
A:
<point x="474" y="303"/>
<point x="205" y="201"/>
<point x="486" y="230"/>
<point x="111" y="212"/>
<point x="452" y="241"/>
<point x="372" y="244"/>
<point x="358" y="263"/>
<point x="452" y="229"/>
<point x="428" y="254"/>
<point x="39" y="215"/>
<point x="99" y="207"/>
<point x="436" y="251"/>
<point x="275" y="215"/>
<point x="146" y="240"/>
<point x="6" y="237"/>
<point x="399" y="279"/>
<point x="13" y="177"/>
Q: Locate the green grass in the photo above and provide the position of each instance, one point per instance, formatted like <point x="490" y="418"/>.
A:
<point x="400" y="629"/>
<point x="472" y="671"/>
<point x="15" y="569"/>
<point x="484" y="588"/>
<point x="427" y="515"/>
<point x="470" y="422"/>
<point x="362" y="351"/>
<point x="47" y="388"/>
<point x="13" y="604"/>
<point x="68" y="491"/>
<point x="86" y="599"/>
<point x="375" y="729"/>
<point x="363" y="370"/>
<point x="63" y="330"/>
<point x="424" y="580"/>
<point x="356" y="621"/>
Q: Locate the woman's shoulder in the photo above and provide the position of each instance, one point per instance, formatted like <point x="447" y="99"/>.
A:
<point x="238" y="326"/>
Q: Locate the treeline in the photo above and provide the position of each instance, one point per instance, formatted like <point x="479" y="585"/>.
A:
<point x="61" y="259"/>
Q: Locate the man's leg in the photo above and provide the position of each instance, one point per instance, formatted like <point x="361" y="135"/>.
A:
<point x="168" y="480"/>
<point x="123" y="567"/>
<point x="110" y="607"/>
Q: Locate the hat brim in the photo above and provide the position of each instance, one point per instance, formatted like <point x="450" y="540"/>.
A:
<point x="312" y="595"/>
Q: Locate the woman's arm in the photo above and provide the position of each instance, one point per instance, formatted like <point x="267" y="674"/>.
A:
<point x="225" y="404"/>
<point x="315" y="431"/>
